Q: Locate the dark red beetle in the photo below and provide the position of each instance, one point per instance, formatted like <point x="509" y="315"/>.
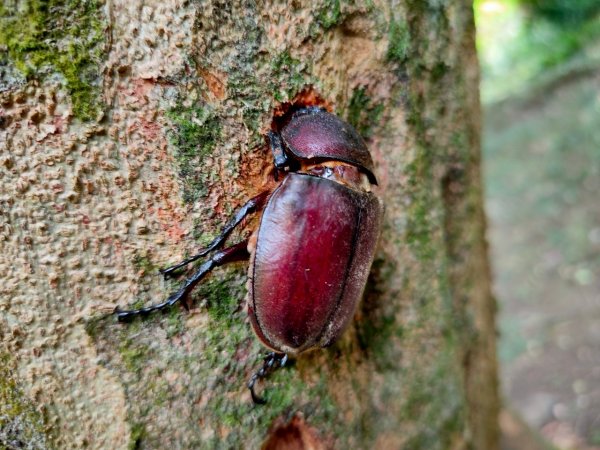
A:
<point x="311" y="254"/>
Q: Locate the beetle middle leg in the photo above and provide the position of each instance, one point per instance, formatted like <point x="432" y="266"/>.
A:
<point x="251" y="206"/>
<point x="272" y="362"/>
<point x="237" y="252"/>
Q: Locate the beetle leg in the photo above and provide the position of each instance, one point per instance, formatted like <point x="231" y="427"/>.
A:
<point x="280" y="159"/>
<point x="237" y="252"/>
<point x="272" y="362"/>
<point x="251" y="206"/>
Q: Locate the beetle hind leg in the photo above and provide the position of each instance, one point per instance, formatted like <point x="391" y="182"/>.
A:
<point x="237" y="252"/>
<point x="272" y="362"/>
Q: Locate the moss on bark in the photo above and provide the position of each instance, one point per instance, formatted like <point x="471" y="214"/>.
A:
<point x="64" y="37"/>
<point x="21" y="424"/>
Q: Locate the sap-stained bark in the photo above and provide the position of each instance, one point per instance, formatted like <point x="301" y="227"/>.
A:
<point x="91" y="208"/>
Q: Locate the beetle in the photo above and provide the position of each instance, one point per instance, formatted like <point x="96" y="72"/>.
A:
<point x="310" y="256"/>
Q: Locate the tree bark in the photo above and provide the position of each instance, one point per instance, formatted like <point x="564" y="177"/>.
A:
<point x="130" y="131"/>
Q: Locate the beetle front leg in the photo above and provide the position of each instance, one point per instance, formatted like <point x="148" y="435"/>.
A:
<point x="280" y="159"/>
<point x="251" y="206"/>
<point x="272" y="362"/>
<point x="237" y="252"/>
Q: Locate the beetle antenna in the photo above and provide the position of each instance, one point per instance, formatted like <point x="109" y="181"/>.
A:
<point x="271" y="362"/>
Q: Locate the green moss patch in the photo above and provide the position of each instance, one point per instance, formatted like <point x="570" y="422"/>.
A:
<point x="437" y="398"/>
<point x="330" y="14"/>
<point x="144" y="264"/>
<point x="56" y="36"/>
<point x="195" y="134"/>
<point x="288" y="75"/>
<point x="363" y="113"/>
<point x="399" y="42"/>
<point x="138" y="431"/>
<point x="21" y="425"/>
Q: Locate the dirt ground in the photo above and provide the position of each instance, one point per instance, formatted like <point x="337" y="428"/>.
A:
<point x="542" y="169"/>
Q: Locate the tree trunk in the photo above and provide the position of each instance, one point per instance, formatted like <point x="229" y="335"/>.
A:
<point x="131" y="130"/>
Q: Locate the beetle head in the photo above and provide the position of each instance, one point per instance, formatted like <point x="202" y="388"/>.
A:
<point x="313" y="134"/>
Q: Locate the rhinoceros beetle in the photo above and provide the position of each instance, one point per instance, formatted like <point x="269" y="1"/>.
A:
<point x="311" y="253"/>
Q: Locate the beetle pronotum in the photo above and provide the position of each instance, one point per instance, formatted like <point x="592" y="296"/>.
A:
<point x="311" y="253"/>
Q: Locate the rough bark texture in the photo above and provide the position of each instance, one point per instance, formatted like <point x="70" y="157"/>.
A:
<point x="130" y="130"/>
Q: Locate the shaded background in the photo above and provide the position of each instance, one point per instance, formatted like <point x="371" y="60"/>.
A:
<point x="540" y="63"/>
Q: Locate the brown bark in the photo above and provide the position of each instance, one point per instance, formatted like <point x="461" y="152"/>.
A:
<point x="101" y="186"/>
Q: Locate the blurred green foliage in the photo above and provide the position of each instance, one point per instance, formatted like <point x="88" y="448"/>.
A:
<point x="563" y="12"/>
<point x="521" y="40"/>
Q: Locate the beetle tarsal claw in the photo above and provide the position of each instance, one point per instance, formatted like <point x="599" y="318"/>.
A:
<point x="270" y="364"/>
<point x="122" y="316"/>
<point x="255" y="398"/>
